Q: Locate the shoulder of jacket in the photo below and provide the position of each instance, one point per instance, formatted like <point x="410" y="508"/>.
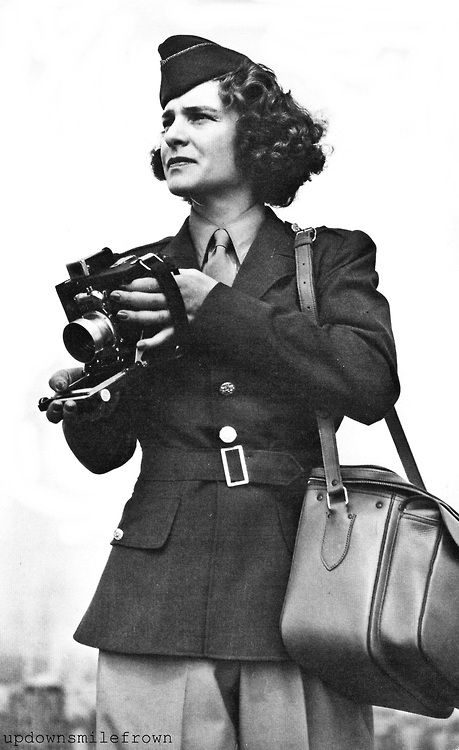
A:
<point x="337" y="235"/>
<point x="338" y="243"/>
<point x="334" y="235"/>
<point x="334" y="248"/>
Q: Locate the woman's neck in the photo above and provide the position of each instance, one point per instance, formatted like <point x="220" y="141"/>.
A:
<point x="222" y="211"/>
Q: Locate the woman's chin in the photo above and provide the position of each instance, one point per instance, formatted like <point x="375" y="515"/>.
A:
<point x="179" y="187"/>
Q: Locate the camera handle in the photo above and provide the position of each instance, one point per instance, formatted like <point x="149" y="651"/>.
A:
<point x="91" y="396"/>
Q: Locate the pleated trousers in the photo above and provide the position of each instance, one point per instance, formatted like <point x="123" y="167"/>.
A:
<point x="209" y="704"/>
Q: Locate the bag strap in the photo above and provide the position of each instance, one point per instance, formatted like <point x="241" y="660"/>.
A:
<point x="327" y="432"/>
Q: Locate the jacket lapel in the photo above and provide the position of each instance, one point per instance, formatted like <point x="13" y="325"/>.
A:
<point x="181" y="249"/>
<point x="270" y="257"/>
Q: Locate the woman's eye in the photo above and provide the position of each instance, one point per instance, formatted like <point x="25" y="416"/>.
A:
<point x="197" y="116"/>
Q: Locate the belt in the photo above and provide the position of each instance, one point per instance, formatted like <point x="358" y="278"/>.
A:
<point x="235" y="465"/>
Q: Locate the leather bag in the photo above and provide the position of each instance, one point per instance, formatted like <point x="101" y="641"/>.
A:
<point x="372" y="604"/>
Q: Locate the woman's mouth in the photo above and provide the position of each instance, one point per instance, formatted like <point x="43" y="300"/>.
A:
<point x="179" y="161"/>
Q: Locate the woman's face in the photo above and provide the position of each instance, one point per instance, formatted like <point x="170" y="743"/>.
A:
<point x="197" y="145"/>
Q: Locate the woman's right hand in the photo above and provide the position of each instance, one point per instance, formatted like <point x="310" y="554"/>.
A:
<point x="60" y="382"/>
<point x="85" y="410"/>
<point x="90" y="425"/>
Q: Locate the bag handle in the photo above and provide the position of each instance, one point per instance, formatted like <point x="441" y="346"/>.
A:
<point x="335" y="488"/>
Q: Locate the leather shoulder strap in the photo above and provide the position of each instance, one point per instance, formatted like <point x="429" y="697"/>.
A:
<point x="327" y="433"/>
<point x="304" y="271"/>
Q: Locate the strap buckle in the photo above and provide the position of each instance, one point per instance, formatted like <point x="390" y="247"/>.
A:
<point x="243" y="466"/>
<point x="345" y="496"/>
<point x="310" y="233"/>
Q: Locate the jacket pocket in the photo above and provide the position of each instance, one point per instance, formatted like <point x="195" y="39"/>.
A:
<point x="149" y="515"/>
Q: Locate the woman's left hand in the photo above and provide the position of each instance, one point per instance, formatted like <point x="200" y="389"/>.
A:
<point x="143" y="305"/>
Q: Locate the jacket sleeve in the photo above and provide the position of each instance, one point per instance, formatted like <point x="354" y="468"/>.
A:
<point x="346" y="363"/>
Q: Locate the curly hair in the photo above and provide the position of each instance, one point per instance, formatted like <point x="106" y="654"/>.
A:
<point x="277" y="140"/>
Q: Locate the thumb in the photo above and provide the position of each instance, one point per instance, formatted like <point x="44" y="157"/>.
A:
<point x="62" y="379"/>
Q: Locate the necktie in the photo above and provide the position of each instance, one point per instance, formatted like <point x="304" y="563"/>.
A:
<point x="220" y="262"/>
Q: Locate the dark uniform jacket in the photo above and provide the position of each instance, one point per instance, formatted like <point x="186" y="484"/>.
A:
<point x="200" y="568"/>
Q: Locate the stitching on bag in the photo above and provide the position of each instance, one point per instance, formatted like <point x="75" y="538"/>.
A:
<point x="407" y="690"/>
<point x="421" y="618"/>
<point x="421" y="519"/>
<point x="346" y="545"/>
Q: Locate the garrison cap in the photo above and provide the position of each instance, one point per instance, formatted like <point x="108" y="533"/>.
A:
<point x="187" y="61"/>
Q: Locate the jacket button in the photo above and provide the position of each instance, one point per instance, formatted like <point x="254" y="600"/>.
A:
<point x="227" y="434"/>
<point x="227" y="389"/>
<point x="118" y="534"/>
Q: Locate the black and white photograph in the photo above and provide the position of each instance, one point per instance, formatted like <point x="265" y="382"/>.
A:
<point x="230" y="515"/>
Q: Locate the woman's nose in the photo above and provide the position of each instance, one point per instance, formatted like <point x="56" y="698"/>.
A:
<point x="176" y="133"/>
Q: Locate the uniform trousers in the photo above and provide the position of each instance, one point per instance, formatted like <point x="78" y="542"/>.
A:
<point x="212" y="704"/>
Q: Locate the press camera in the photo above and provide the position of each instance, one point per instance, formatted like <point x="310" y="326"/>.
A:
<point x="93" y="335"/>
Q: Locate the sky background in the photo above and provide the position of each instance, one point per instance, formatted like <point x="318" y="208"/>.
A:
<point x="79" y="86"/>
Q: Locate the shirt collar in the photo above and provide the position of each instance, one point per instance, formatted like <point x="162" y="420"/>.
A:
<point x="242" y="231"/>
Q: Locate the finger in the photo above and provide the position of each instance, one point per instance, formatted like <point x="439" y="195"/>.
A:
<point x="145" y="318"/>
<point x="62" y="379"/>
<point x="70" y="409"/>
<point x="54" y="412"/>
<point x="139" y="300"/>
<point x="159" y="338"/>
<point x="145" y="284"/>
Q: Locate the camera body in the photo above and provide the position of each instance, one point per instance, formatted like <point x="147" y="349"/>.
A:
<point x="94" y="335"/>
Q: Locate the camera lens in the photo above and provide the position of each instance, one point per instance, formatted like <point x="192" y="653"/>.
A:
<point x="88" y="336"/>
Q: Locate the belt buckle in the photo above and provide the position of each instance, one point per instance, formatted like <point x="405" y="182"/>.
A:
<point x="240" y="450"/>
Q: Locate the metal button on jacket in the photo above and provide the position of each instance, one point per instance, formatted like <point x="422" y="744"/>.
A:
<point x="118" y="534"/>
<point x="227" y="388"/>
<point x="227" y="434"/>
